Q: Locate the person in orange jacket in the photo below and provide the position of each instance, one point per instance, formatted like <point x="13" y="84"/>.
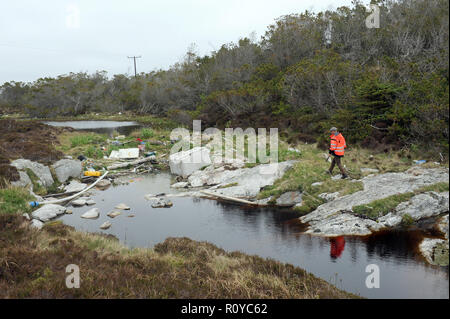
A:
<point x="337" y="146"/>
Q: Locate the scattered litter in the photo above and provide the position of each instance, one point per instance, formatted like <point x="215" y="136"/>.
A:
<point x="131" y="215"/>
<point x="92" y="173"/>
<point x="420" y="162"/>
<point x="125" y="153"/>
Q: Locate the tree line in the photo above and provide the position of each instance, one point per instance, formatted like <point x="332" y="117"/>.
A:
<point x="309" y="71"/>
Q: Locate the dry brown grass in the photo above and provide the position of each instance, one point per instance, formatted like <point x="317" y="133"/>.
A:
<point x="32" y="265"/>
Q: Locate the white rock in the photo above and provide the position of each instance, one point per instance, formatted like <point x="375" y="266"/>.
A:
<point x="187" y="162"/>
<point x="79" y="202"/>
<point x="27" y="217"/>
<point x="48" y="211"/>
<point x="316" y="184"/>
<point x="24" y="180"/>
<point x="180" y="185"/>
<point x="122" y="206"/>
<point x="329" y="196"/>
<point x="113" y="214"/>
<point x="41" y="171"/>
<point x="74" y="187"/>
<point x="67" y="168"/>
<point x="105" y="225"/>
<point x="91" y="214"/>
<point x="246" y="182"/>
<point x="90" y="202"/>
<point x="35" y="223"/>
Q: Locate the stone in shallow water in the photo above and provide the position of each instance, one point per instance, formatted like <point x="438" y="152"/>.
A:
<point x="103" y="184"/>
<point x="162" y="203"/>
<point x="90" y="202"/>
<point x="74" y="187"/>
<point x="105" y="225"/>
<point x="114" y="214"/>
<point x="79" y="202"/>
<point x="91" y="214"/>
<point x="48" y="211"/>
<point x="122" y="206"/>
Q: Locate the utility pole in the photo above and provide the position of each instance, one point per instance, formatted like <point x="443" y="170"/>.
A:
<point x="134" y="58"/>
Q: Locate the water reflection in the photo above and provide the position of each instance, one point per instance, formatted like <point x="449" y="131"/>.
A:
<point x="272" y="233"/>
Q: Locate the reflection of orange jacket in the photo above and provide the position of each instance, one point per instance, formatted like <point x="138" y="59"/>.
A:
<point x="337" y="246"/>
<point x="337" y="144"/>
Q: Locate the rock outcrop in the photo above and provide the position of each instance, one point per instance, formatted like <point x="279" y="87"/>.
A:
<point x="334" y="218"/>
<point x="41" y="171"/>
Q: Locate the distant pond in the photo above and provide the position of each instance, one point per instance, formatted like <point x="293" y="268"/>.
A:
<point x="102" y="127"/>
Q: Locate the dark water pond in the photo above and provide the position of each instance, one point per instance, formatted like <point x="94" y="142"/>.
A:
<point x="103" y="127"/>
<point x="268" y="233"/>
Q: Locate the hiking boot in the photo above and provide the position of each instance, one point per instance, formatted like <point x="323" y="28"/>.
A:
<point x="344" y="176"/>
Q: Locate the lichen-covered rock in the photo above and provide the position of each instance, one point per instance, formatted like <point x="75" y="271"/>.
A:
<point x="48" y="211"/>
<point x="24" y="180"/>
<point x="66" y="168"/>
<point x="329" y="196"/>
<point x="41" y="171"/>
<point x="331" y="218"/>
<point x="162" y="203"/>
<point x="435" y="251"/>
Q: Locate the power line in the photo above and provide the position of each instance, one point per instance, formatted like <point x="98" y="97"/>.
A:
<point x="134" y="58"/>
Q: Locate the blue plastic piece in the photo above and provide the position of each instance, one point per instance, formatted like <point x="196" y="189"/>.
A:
<point x="34" y="204"/>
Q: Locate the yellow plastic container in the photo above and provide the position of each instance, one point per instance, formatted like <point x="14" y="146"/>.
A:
<point x="89" y="173"/>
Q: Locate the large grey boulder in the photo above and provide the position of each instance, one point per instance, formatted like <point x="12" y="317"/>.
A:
<point x="331" y="218"/>
<point x="41" y="171"/>
<point x="289" y="199"/>
<point x="74" y="187"/>
<point x="24" y="180"/>
<point x="187" y="162"/>
<point x="48" y="211"/>
<point x="67" y="168"/>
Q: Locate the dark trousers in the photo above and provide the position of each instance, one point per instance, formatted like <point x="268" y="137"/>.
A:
<point x="337" y="161"/>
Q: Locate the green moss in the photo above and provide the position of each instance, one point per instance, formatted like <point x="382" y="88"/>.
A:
<point x="381" y="207"/>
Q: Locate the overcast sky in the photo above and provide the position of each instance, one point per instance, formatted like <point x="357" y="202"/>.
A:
<point x="52" y="37"/>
